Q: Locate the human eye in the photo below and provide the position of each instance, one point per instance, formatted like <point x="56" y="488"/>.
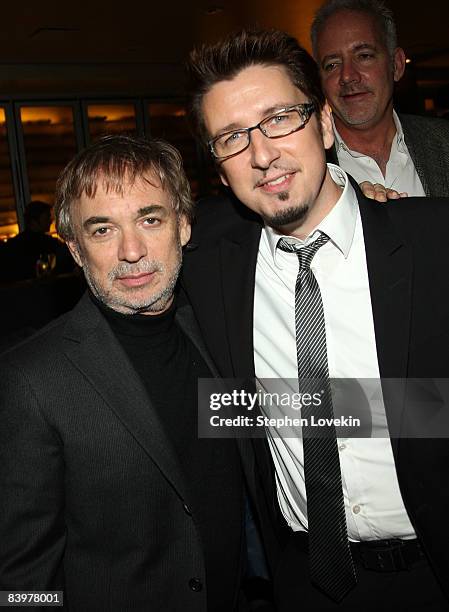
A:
<point x="280" y="123"/>
<point x="330" y="66"/>
<point x="151" y="221"/>
<point x="365" y="56"/>
<point x="228" y="141"/>
<point x="100" y="232"/>
<point x="279" y="118"/>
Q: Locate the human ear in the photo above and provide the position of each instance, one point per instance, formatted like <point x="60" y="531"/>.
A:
<point x="398" y="64"/>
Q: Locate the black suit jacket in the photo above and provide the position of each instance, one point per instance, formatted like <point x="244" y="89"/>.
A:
<point x="408" y="259"/>
<point x="93" y="500"/>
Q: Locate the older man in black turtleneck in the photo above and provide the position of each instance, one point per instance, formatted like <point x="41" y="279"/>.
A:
<point x="107" y="492"/>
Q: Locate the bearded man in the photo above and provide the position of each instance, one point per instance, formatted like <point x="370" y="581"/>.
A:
<point x="107" y="493"/>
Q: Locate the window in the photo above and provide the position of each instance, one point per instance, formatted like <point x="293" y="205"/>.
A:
<point x="49" y="144"/>
<point x="8" y="216"/>
<point x="111" y="119"/>
<point x="168" y="121"/>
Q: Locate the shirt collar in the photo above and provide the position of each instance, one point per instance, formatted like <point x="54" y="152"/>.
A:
<point x="339" y="224"/>
<point x="339" y="142"/>
<point x="399" y="131"/>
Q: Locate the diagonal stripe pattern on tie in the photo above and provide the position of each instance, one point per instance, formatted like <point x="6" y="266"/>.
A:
<point x="331" y="565"/>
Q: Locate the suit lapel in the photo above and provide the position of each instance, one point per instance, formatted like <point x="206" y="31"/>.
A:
<point x="419" y="157"/>
<point x="238" y="265"/>
<point x="238" y="258"/>
<point x="390" y="278"/>
<point x="219" y="282"/>
<point x="187" y="322"/>
<point x="93" y="349"/>
<point x="425" y="150"/>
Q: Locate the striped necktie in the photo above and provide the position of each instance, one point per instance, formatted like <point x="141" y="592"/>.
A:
<point x="331" y="565"/>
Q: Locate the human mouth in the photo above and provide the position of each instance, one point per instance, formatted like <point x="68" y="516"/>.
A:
<point x="354" y="96"/>
<point x="136" y="280"/>
<point x="274" y="185"/>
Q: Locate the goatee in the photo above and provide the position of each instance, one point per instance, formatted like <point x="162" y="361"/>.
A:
<point x="287" y="216"/>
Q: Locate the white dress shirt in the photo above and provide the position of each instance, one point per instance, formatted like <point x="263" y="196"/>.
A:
<point x="400" y="173"/>
<point x="374" y="506"/>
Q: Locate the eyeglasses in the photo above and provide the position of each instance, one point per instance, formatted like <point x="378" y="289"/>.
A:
<point x="284" y="122"/>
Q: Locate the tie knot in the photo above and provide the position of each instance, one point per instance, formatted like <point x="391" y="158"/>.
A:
<point x="305" y="254"/>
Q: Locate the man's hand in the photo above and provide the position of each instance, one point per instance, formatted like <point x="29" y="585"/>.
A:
<point x="379" y="192"/>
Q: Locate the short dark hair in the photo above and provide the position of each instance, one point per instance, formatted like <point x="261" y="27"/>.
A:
<point x="376" y="8"/>
<point x="222" y="61"/>
<point x="113" y="161"/>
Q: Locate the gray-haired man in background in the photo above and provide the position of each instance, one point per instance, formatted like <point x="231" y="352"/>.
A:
<point x="355" y="45"/>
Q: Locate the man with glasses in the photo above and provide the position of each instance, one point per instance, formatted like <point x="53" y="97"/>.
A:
<point x="282" y="123"/>
<point x="302" y="277"/>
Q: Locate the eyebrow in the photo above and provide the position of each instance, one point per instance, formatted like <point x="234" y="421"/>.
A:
<point x="355" y="49"/>
<point x="152" y="208"/>
<point x="230" y="127"/>
<point x="363" y="46"/>
<point x="145" y="210"/>
<point x="94" y="221"/>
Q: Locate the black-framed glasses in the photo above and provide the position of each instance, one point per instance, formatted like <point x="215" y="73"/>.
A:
<point x="282" y="123"/>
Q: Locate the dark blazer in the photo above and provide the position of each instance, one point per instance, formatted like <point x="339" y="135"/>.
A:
<point x="408" y="259"/>
<point x="427" y="139"/>
<point x="93" y="500"/>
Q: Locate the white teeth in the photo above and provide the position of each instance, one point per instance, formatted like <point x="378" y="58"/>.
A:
<point x="281" y="179"/>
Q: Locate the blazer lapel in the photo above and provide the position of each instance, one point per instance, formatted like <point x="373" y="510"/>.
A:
<point x="238" y="265"/>
<point x="94" y="350"/>
<point x="219" y="282"/>
<point x="390" y="277"/>
<point x="425" y="149"/>
<point x="187" y="322"/>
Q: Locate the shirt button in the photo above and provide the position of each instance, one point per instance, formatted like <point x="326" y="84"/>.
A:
<point x="342" y="447"/>
<point x="195" y="584"/>
<point x="356" y="509"/>
<point x="187" y="510"/>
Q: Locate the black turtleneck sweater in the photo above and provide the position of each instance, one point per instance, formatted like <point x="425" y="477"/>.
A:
<point x="169" y="366"/>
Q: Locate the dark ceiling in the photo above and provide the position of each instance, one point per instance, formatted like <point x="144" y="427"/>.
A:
<point x="70" y="47"/>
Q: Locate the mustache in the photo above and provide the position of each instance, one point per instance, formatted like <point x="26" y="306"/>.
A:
<point x="346" y="90"/>
<point x="268" y="171"/>
<point x="125" y="268"/>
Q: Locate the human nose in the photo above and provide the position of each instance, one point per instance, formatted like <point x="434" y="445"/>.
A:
<point x="132" y="246"/>
<point x="264" y="151"/>
<point x="348" y="72"/>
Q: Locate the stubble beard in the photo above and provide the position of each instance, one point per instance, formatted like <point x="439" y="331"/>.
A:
<point x="354" y="117"/>
<point x="123" y="301"/>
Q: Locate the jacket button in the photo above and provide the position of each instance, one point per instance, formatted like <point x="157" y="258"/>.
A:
<point x="187" y="510"/>
<point x="196" y="585"/>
